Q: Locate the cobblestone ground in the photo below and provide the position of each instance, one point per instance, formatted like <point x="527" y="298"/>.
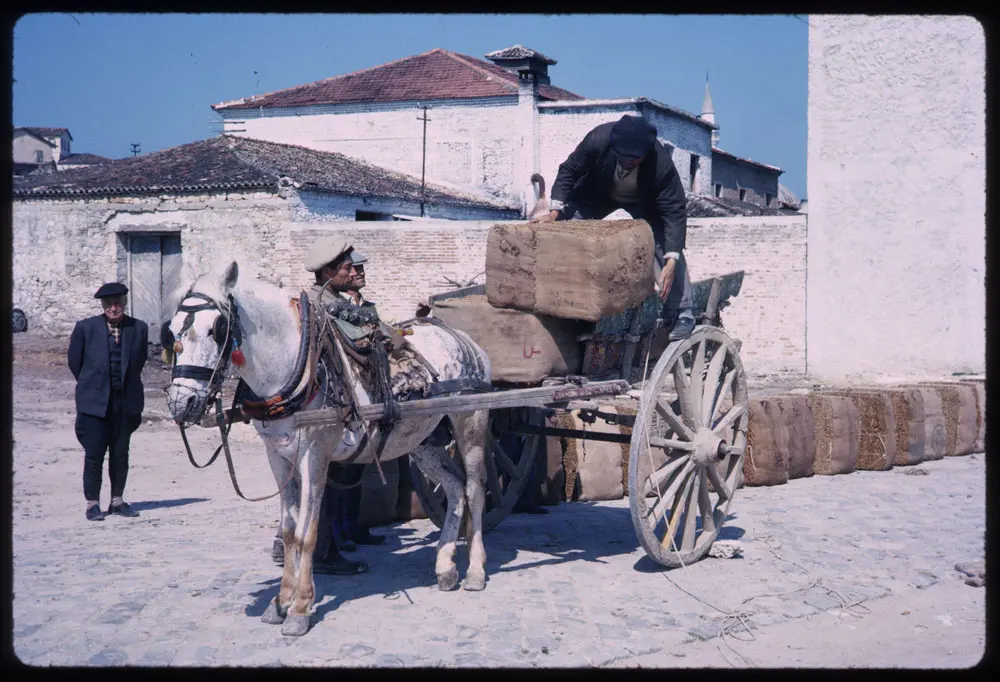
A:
<point x="845" y="570"/>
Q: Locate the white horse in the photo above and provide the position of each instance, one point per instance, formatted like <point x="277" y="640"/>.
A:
<point x="270" y="343"/>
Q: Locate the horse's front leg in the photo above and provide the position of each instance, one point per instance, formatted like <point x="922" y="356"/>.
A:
<point x="430" y="460"/>
<point x="312" y="469"/>
<point x="470" y="439"/>
<point x="281" y="467"/>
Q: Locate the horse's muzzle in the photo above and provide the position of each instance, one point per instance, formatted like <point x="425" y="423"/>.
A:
<point x="186" y="404"/>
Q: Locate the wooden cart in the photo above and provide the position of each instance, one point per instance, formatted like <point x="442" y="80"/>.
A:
<point x="688" y="432"/>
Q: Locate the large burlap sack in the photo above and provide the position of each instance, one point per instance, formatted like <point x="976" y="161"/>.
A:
<point x="980" y="387"/>
<point x="522" y="347"/>
<point x="835" y="419"/>
<point x="575" y="269"/>
<point x="798" y="422"/>
<point x="876" y="428"/>
<point x="596" y="465"/>
<point x="911" y="436"/>
<point x="935" y="429"/>
<point x="766" y="459"/>
<point x="958" y="403"/>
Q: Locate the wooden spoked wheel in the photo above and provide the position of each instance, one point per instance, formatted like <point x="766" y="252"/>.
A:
<point x="509" y="462"/>
<point x="686" y="457"/>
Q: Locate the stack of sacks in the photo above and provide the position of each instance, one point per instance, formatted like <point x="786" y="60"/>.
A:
<point x="835" y="420"/>
<point x="980" y="386"/>
<point x="801" y="434"/>
<point x="876" y="428"/>
<point x="935" y="429"/>
<point x="911" y="432"/>
<point x="961" y="417"/>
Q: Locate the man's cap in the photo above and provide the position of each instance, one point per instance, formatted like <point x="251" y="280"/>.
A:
<point x="632" y="136"/>
<point x="111" y="289"/>
<point x="358" y="258"/>
<point x="326" y="250"/>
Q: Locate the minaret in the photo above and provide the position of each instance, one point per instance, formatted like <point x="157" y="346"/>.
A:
<point x="708" y="113"/>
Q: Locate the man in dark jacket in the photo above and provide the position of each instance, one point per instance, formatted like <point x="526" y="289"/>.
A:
<point x="622" y="165"/>
<point x="106" y="355"/>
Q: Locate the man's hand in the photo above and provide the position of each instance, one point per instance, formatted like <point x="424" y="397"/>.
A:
<point x="666" y="280"/>
<point x="545" y="217"/>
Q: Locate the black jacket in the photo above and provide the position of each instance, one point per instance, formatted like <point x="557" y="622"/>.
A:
<point x="90" y="362"/>
<point x="586" y="177"/>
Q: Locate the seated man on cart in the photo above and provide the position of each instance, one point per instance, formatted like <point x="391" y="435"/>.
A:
<point x="622" y="165"/>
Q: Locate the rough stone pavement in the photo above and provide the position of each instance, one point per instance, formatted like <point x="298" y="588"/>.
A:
<point x="843" y="570"/>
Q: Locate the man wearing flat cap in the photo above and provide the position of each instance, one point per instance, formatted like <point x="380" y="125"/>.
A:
<point x="106" y="355"/>
<point x="621" y="164"/>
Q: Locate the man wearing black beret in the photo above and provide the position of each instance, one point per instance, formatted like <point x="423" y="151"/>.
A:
<point x="621" y="164"/>
<point x="106" y="355"/>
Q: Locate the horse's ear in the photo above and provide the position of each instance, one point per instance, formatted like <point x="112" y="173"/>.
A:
<point x="231" y="275"/>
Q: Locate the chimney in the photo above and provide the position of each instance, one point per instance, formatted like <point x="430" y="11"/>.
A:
<point x="525" y="62"/>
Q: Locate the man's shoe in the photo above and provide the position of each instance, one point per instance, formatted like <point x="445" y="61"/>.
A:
<point x="347" y="545"/>
<point x="339" y="565"/>
<point x="94" y="513"/>
<point x="683" y="328"/>
<point x="364" y="537"/>
<point x="122" y="509"/>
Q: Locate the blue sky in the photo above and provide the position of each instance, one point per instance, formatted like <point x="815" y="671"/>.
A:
<point x="115" y="79"/>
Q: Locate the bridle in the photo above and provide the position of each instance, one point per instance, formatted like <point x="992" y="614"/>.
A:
<point x="228" y="334"/>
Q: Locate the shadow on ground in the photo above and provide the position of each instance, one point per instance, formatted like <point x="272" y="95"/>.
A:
<point x="164" y="504"/>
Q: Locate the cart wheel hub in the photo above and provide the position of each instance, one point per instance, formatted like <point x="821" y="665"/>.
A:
<point x="709" y="448"/>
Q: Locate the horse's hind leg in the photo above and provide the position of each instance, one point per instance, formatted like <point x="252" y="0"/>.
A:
<point x="431" y="461"/>
<point x="312" y="469"/>
<point x="470" y="437"/>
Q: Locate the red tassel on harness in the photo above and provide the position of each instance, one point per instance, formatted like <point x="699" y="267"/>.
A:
<point x="238" y="358"/>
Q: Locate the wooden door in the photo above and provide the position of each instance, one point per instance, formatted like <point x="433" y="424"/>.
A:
<point x="154" y="271"/>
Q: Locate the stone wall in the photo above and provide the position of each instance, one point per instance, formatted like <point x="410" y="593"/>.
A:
<point x="735" y="175"/>
<point x="897" y="196"/>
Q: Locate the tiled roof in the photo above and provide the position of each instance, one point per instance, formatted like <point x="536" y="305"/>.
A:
<point x="235" y="163"/>
<point x="438" y="74"/>
<point x="716" y="150"/>
<point x="49" y="132"/>
<point x="715" y="207"/>
<point x="31" y="131"/>
<point x="72" y="159"/>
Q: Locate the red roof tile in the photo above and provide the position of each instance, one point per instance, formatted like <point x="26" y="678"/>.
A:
<point x="438" y="74"/>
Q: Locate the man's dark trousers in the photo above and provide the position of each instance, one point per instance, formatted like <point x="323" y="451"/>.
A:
<point x="110" y="434"/>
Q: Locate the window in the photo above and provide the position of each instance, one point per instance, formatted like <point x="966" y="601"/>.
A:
<point x="718" y="190"/>
<point x="39" y="156"/>
<point x="743" y="195"/>
<point x="767" y="200"/>
<point x="695" y="161"/>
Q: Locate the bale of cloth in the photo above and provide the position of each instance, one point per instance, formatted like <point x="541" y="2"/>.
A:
<point x="766" y="458"/>
<point x="595" y="465"/>
<point x="876" y="428"/>
<point x="574" y="269"/>
<point x="835" y="420"/>
<point x="911" y="436"/>
<point x="935" y="429"/>
<point x="961" y="418"/>
<point x="801" y="434"/>
<point x="523" y="347"/>
<point x="980" y="387"/>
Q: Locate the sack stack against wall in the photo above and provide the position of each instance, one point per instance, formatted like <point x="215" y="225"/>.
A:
<point x="766" y="459"/>
<point x="876" y="428"/>
<point x="574" y="269"/>
<point x="835" y="419"/>
<point x="958" y="404"/>
<point x="523" y="347"/>
<point x="980" y="387"/>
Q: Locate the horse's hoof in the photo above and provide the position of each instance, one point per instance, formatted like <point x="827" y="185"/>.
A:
<point x="274" y="615"/>
<point x="295" y="626"/>
<point x="448" y="581"/>
<point x="474" y="583"/>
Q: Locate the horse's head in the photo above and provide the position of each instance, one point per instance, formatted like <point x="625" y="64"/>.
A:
<point x="199" y="341"/>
